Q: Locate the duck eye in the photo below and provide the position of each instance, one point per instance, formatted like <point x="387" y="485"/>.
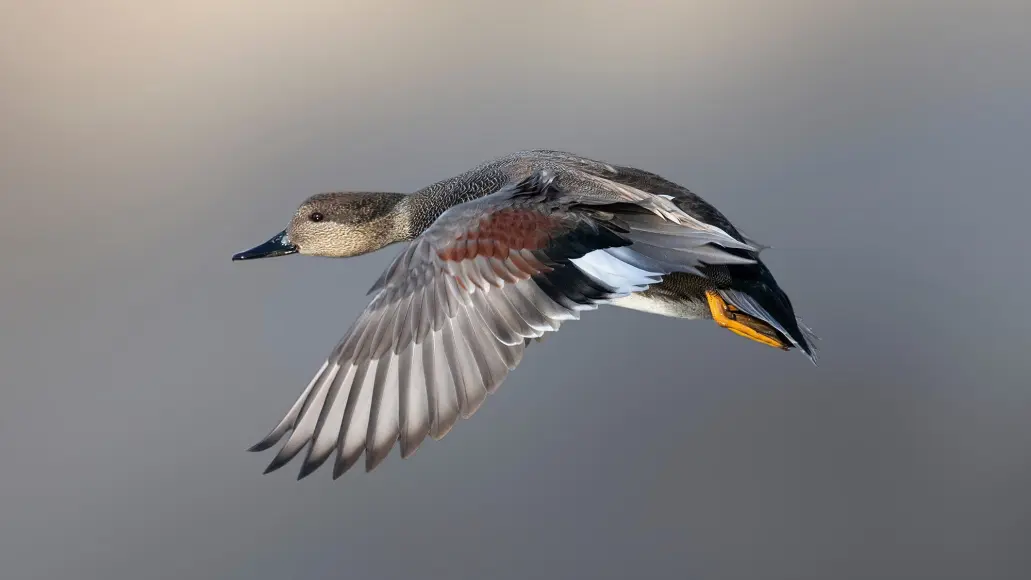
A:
<point x="315" y="216"/>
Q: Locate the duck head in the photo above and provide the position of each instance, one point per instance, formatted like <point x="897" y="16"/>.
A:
<point x="338" y="225"/>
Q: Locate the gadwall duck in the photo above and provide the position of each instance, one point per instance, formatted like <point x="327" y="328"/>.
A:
<point x="497" y="257"/>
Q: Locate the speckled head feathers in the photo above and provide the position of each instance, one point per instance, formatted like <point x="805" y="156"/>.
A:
<point x="346" y="224"/>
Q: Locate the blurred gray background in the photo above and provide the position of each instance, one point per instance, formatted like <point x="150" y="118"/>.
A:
<point x="882" y="148"/>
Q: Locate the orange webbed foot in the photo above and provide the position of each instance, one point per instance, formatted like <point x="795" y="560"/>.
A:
<point x="729" y="317"/>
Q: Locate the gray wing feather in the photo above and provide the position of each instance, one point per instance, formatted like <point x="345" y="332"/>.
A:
<point x="290" y="420"/>
<point x="445" y="410"/>
<point x="306" y="423"/>
<point x="351" y="440"/>
<point x="328" y="427"/>
<point x="384" y="419"/>
<point x="415" y="422"/>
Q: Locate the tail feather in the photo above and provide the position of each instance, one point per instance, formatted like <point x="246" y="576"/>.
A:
<point x="762" y="298"/>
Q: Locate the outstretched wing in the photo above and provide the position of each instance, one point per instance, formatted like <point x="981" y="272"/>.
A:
<point x="453" y="312"/>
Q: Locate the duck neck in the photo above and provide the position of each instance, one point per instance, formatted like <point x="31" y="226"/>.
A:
<point x="423" y="207"/>
<point x="395" y="221"/>
<point x="416" y="213"/>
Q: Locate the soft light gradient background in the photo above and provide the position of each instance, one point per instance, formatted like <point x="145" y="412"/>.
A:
<point x="882" y="148"/>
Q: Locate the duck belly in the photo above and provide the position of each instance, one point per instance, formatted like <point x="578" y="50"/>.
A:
<point x="664" y="302"/>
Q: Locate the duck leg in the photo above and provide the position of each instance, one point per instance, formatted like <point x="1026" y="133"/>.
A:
<point x="729" y="317"/>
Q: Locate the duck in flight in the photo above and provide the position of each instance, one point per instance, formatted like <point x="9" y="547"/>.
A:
<point x="499" y="256"/>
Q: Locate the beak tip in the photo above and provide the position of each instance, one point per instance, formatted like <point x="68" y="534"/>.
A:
<point x="277" y="246"/>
